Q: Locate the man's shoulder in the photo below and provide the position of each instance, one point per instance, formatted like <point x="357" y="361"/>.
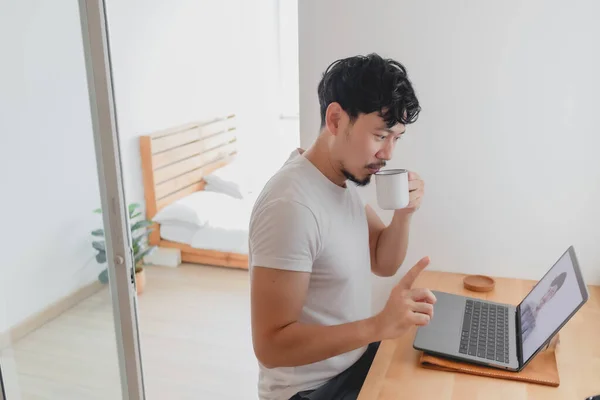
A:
<point x="288" y="184"/>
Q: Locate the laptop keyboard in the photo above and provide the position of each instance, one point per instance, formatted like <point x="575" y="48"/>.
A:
<point x="485" y="331"/>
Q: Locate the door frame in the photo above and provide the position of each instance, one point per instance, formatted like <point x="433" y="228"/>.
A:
<point x="119" y="253"/>
<point x="2" y="392"/>
<point x="115" y="215"/>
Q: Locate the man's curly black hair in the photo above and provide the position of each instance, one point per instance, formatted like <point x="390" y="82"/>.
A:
<point x="366" y="84"/>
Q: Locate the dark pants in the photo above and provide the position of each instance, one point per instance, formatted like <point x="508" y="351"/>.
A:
<point x="346" y="385"/>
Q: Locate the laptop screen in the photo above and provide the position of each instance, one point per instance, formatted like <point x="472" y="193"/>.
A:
<point x="551" y="303"/>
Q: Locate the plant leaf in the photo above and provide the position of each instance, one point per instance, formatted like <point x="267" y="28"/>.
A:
<point x="100" y="246"/>
<point x="103" y="276"/>
<point x="141" y="224"/>
<point x="136" y="215"/>
<point x="132" y="208"/>
<point x="98" y="211"/>
<point x="101" y="257"/>
<point x="137" y="240"/>
<point x="144" y="253"/>
<point x="98" y="232"/>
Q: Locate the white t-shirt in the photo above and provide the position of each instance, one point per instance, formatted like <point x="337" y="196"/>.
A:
<point x="304" y="222"/>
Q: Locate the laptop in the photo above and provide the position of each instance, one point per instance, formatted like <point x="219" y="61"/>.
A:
<point x="503" y="335"/>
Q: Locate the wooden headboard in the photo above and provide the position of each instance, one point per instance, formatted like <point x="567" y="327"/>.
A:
<point x="174" y="161"/>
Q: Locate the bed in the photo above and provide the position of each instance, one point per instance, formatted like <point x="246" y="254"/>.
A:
<point x="207" y="225"/>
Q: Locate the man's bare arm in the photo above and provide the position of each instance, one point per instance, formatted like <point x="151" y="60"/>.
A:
<point x="389" y="244"/>
<point x="279" y="339"/>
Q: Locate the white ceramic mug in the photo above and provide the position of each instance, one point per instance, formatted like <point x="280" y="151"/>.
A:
<point x="392" y="189"/>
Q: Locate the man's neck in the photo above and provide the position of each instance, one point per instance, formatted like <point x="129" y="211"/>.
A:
<point x="320" y="156"/>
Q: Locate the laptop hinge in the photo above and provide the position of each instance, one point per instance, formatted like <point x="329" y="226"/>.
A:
<point x="519" y="341"/>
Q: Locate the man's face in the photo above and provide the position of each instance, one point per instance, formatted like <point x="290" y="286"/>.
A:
<point x="363" y="147"/>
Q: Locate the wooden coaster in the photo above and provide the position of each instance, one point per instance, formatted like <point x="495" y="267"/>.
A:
<point x="479" y="283"/>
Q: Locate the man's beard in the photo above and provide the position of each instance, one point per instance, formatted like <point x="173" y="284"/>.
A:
<point x="359" y="182"/>
<point x="367" y="179"/>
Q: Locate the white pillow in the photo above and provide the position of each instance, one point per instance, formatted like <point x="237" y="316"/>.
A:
<point x="239" y="178"/>
<point x="196" y="208"/>
<point x="230" y="179"/>
<point x="220" y="187"/>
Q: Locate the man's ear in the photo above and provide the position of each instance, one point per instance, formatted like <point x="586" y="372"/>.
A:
<point x="335" y="118"/>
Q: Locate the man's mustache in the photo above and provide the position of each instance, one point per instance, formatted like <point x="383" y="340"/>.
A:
<point x="380" y="165"/>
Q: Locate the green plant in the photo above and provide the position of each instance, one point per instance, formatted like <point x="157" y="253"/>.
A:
<point x="140" y="230"/>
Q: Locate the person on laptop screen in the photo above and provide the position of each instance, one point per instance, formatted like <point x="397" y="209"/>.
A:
<point x="530" y="310"/>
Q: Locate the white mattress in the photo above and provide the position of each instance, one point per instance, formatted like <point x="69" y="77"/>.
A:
<point x="180" y="233"/>
<point x="208" y="237"/>
<point x="226" y="230"/>
<point x="221" y="239"/>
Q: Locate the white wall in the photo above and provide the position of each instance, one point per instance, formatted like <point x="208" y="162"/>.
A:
<point x="507" y="142"/>
<point x="188" y="60"/>
<point x="162" y="76"/>
<point x="47" y="160"/>
<point x="172" y="63"/>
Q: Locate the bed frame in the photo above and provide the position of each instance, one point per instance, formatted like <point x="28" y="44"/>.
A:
<point x="174" y="162"/>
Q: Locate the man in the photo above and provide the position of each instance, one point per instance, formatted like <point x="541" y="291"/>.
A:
<point x="529" y="312"/>
<point x="313" y="243"/>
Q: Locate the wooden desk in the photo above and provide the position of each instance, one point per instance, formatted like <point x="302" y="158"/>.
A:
<point x="396" y="374"/>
